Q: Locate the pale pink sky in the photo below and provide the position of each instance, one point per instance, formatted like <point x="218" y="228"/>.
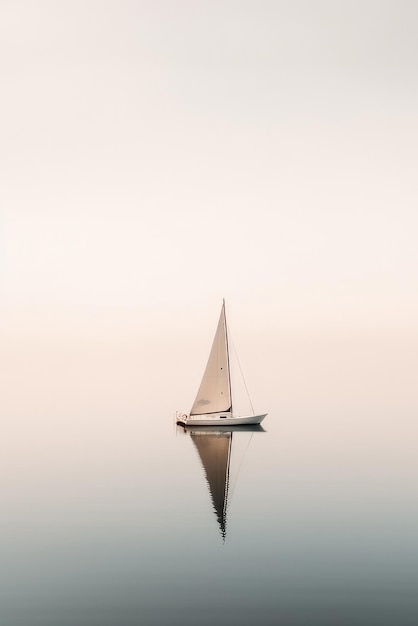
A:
<point x="156" y="157"/>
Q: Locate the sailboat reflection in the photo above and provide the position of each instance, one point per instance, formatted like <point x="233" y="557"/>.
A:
<point x="215" y="452"/>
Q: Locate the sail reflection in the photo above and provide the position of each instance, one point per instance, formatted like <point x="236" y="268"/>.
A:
<point x="215" y="452"/>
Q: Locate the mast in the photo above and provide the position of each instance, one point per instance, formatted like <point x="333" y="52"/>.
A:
<point x="223" y="527"/>
<point x="227" y="354"/>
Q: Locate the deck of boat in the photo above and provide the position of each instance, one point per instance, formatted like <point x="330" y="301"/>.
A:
<point x="207" y="420"/>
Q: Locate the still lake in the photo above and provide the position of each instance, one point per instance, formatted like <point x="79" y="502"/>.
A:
<point x="107" y="516"/>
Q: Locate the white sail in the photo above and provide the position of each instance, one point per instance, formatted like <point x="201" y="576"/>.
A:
<point x="214" y="395"/>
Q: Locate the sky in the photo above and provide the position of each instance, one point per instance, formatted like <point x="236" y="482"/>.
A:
<point x="156" y="157"/>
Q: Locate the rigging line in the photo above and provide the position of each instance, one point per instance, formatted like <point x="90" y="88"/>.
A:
<point x="242" y="373"/>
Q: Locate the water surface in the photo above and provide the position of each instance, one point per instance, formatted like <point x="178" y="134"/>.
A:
<point x="108" y="515"/>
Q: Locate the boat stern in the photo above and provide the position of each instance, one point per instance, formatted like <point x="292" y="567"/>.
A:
<point x="181" y="419"/>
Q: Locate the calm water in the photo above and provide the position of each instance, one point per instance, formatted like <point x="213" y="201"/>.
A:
<point x="107" y="515"/>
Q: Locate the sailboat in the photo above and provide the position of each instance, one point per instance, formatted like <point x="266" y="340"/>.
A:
<point x="213" y="405"/>
<point x="214" y="446"/>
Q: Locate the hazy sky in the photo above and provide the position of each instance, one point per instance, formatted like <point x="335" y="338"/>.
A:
<point x="157" y="156"/>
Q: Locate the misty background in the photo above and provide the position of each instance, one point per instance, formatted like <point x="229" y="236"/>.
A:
<point x="156" y="157"/>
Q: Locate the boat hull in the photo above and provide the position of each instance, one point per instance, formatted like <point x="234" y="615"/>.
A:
<point x="207" y="420"/>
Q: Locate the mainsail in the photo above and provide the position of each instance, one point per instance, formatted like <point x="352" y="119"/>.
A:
<point x="214" y="449"/>
<point x="214" y="404"/>
<point x="214" y="395"/>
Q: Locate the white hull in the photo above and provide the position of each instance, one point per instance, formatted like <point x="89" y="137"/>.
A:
<point x="216" y="420"/>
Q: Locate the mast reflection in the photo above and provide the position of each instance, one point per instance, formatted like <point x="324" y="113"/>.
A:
<point x="215" y="447"/>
